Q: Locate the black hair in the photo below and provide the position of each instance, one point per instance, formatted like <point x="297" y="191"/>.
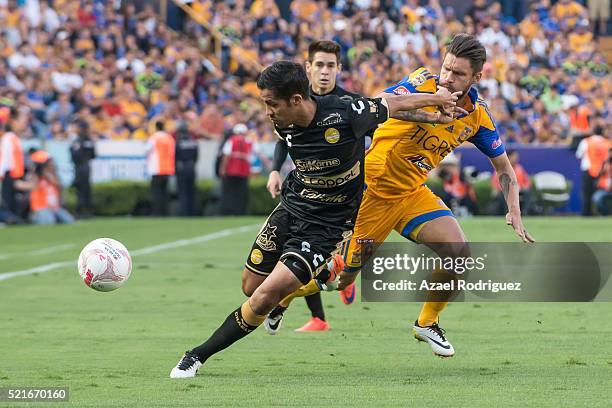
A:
<point x="159" y="125"/>
<point x="467" y="46"/>
<point x="284" y="78"/>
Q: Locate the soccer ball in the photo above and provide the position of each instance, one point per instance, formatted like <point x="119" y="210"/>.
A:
<point x="105" y="264"/>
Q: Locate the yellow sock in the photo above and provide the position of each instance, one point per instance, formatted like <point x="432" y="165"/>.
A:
<point x="309" y="289"/>
<point x="430" y="313"/>
<point x="249" y="316"/>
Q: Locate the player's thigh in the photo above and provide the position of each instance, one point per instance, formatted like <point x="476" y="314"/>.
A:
<point x="266" y="249"/>
<point x="444" y="236"/>
<point x="313" y="245"/>
<point x="375" y="221"/>
<point x="281" y="282"/>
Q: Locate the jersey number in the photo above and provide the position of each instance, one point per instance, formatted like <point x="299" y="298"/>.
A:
<point x="359" y="107"/>
<point x="317" y="259"/>
<point x="288" y="140"/>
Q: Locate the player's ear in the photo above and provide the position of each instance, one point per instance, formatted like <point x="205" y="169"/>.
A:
<point x="339" y="67"/>
<point x="296" y="99"/>
<point x="308" y="67"/>
<point x="477" y="77"/>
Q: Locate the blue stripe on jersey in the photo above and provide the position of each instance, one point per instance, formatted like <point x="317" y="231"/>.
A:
<point x="403" y="83"/>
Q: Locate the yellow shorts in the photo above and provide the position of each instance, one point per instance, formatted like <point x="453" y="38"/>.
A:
<point x="379" y="216"/>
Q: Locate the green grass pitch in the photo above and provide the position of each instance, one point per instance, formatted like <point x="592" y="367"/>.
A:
<point x="116" y="349"/>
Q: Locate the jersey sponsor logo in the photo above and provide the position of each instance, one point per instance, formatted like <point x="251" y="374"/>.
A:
<point x="315" y="165"/>
<point x="431" y="143"/>
<point x="256" y="256"/>
<point x="331" y="181"/>
<point x="450" y="128"/>
<point x="265" y="239"/>
<point x="401" y="90"/>
<point x="419" y="161"/>
<point x="332" y="135"/>
<point x="331" y="119"/>
<point x="496" y="143"/>
<point x="322" y="197"/>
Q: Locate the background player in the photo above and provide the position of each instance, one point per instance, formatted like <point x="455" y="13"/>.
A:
<point x="323" y="66"/>
<point x="397" y="165"/>
<point x="319" y="199"/>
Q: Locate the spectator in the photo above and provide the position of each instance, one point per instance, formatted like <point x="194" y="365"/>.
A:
<point x="459" y="195"/>
<point x="82" y="152"/>
<point x="160" y="166"/>
<point x="11" y="166"/>
<point x="46" y="192"/>
<point x="234" y="171"/>
<point x="186" y="160"/>
<point x="602" y="198"/>
<point x="592" y="152"/>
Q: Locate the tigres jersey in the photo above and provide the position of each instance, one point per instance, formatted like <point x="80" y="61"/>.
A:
<point x="403" y="153"/>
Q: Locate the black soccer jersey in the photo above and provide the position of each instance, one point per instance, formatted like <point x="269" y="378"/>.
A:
<point x="339" y="92"/>
<point x="327" y="183"/>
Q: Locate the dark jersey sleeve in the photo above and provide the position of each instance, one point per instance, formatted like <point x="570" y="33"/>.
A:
<point x="366" y="114"/>
<point x="280" y="155"/>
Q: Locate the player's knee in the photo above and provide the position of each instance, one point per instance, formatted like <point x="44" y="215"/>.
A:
<point x="264" y="300"/>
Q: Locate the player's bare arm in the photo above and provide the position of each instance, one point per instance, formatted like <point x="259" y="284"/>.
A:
<point x="406" y="107"/>
<point x="509" y="186"/>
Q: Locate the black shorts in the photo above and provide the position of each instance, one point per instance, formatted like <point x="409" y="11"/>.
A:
<point x="284" y="235"/>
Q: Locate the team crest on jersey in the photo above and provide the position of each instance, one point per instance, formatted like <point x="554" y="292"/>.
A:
<point x="450" y="128"/>
<point x="256" y="256"/>
<point x="419" y="161"/>
<point x="265" y="239"/>
<point x="496" y="143"/>
<point x="465" y="133"/>
<point x="331" y="119"/>
<point x="332" y="135"/>
<point x="417" y="80"/>
<point x="401" y="90"/>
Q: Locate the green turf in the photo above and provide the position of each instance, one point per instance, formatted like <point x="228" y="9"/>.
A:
<point x="116" y="349"/>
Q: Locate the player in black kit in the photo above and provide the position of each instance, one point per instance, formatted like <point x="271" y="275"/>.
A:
<point x="323" y="66"/>
<point x="319" y="199"/>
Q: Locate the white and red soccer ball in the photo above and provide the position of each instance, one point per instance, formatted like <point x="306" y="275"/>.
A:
<point x="105" y="264"/>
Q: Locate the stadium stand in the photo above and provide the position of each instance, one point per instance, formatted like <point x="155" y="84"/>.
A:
<point x="121" y="69"/>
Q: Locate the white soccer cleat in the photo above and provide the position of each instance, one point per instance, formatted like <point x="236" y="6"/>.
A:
<point x="187" y="366"/>
<point x="274" y="320"/>
<point x="434" y="336"/>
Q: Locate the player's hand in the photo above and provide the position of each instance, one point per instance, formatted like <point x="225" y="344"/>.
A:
<point x="513" y="218"/>
<point x="274" y="183"/>
<point x="447" y="99"/>
<point x="444" y="117"/>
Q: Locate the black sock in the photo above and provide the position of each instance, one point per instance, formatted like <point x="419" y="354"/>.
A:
<point x="233" y="329"/>
<point x="315" y="304"/>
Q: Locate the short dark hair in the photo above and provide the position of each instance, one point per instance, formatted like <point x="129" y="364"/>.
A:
<point x="467" y="46"/>
<point x="159" y="125"/>
<point x="284" y="78"/>
<point x="328" y="46"/>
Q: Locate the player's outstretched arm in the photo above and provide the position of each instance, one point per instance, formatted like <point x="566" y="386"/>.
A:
<point x="405" y="107"/>
<point x="509" y="186"/>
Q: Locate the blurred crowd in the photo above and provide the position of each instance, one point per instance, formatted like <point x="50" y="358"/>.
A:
<point x="121" y="70"/>
<point x="545" y="80"/>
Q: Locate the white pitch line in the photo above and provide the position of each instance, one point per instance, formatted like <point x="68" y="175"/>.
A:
<point x="50" y="249"/>
<point x="142" y="251"/>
